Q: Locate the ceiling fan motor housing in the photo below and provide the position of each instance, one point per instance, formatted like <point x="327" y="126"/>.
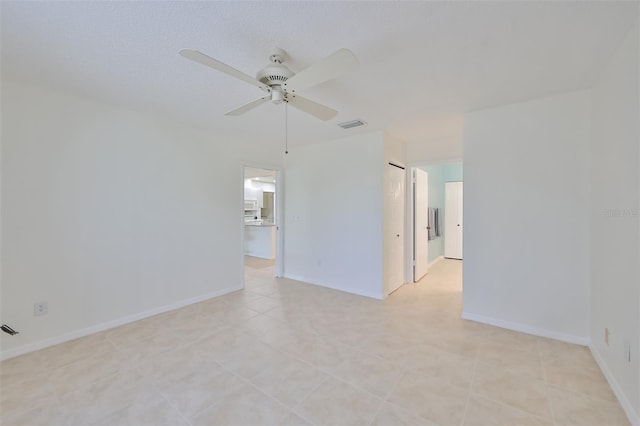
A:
<point x="274" y="74"/>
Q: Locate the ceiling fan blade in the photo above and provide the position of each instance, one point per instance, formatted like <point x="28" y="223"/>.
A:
<point x="334" y="65"/>
<point x="248" y="107"/>
<point x="203" y="59"/>
<point x="319" y="111"/>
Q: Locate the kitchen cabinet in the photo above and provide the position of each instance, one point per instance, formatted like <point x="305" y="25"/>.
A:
<point x="260" y="240"/>
<point x="251" y="210"/>
<point x="255" y="195"/>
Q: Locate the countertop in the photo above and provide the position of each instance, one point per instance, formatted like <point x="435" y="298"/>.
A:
<point x="261" y="224"/>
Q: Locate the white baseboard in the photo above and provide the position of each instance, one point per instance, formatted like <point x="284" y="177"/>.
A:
<point x="21" y="350"/>
<point x="335" y="287"/>
<point x="434" y="261"/>
<point x="632" y="415"/>
<point x="523" y="328"/>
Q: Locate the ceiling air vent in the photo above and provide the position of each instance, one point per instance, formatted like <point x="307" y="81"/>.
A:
<point x="350" y="124"/>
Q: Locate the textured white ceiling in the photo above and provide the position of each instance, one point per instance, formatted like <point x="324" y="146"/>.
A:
<point x="422" y="64"/>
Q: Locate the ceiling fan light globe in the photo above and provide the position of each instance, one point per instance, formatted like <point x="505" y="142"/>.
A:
<point x="277" y="95"/>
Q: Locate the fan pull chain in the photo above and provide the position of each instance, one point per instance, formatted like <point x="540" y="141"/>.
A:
<point x="286" y="129"/>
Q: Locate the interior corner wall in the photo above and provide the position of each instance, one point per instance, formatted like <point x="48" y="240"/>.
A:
<point x="333" y="214"/>
<point x="394" y="150"/>
<point x="109" y="215"/>
<point x="526" y="237"/>
<point x="615" y="222"/>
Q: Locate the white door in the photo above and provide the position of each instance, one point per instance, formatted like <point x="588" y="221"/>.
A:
<point x="453" y="220"/>
<point x="420" y="223"/>
<point x="395" y="226"/>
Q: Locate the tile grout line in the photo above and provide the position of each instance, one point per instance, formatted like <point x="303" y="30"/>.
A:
<point x="473" y="377"/>
<point x="180" y="414"/>
<point x="299" y="403"/>
<point x="326" y="372"/>
<point x="54" y="392"/>
<point x="356" y="386"/>
<point x="507" y="405"/>
<point x="584" y="395"/>
<point x="385" y="400"/>
<point x="375" y="414"/>
<point x="546" y="384"/>
<point x="242" y="379"/>
<point x="175" y="406"/>
<point x="339" y="378"/>
<point x="251" y="384"/>
<point x="403" y="371"/>
<point x="510" y="407"/>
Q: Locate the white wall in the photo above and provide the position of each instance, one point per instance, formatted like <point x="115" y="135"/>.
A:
<point x="526" y="239"/>
<point x="435" y="151"/>
<point x="254" y="188"/>
<point x="109" y="214"/>
<point x="333" y="214"/>
<point x="615" y="230"/>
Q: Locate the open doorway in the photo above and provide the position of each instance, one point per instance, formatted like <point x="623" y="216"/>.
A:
<point x="261" y="224"/>
<point x="435" y="225"/>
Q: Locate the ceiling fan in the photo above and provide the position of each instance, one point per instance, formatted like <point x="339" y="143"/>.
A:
<point x="281" y="84"/>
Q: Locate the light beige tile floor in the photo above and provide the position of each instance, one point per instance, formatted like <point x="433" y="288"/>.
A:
<point x="283" y="352"/>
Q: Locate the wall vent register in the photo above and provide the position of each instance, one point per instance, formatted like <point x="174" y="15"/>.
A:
<point x="352" y="123"/>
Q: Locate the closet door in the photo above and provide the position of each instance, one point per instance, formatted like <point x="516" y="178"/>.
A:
<point x="453" y="220"/>
<point x="394" y="205"/>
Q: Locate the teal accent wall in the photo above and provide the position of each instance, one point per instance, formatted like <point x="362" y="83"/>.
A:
<point x="438" y="176"/>
<point x="452" y="173"/>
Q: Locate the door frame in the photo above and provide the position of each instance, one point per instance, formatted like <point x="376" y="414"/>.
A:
<point x="279" y="216"/>
<point x="414" y="183"/>
<point x="409" y="216"/>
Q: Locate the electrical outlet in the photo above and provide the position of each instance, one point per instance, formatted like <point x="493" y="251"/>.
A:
<point x="40" y="308"/>
<point x="606" y="336"/>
